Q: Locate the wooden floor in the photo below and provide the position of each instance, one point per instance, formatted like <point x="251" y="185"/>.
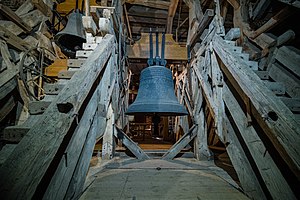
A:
<point x="182" y="178"/>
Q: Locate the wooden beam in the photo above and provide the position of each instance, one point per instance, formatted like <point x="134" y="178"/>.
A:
<point x="8" y="86"/>
<point x="292" y="103"/>
<point x="143" y="20"/>
<point x="264" y="105"/>
<point x="154" y="14"/>
<point x="32" y="167"/>
<point x="201" y="150"/>
<point x="260" y="8"/>
<point x="140" y="49"/>
<point x="295" y="3"/>
<point x="207" y="17"/>
<point x="127" y="21"/>
<point x="24" y="8"/>
<point x="275" y="20"/>
<point x="7" y="107"/>
<point x="108" y="144"/>
<point x="247" y="177"/>
<point x="13" y="40"/>
<point x="171" y="13"/>
<point x="273" y="179"/>
<point x="41" y="6"/>
<point x="68" y="5"/>
<point x="180" y="144"/>
<point x="76" y="185"/>
<point x="15" y="18"/>
<point x="289" y="80"/>
<point x="290" y="57"/>
<point x="164" y="5"/>
<point x="61" y="179"/>
<point x="130" y="144"/>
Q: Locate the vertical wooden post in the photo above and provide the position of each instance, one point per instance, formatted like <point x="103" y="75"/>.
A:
<point x="87" y="7"/>
<point x="201" y="151"/>
<point x="108" y="145"/>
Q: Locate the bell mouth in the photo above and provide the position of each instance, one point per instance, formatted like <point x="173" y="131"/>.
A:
<point x="69" y="44"/>
<point x="157" y="109"/>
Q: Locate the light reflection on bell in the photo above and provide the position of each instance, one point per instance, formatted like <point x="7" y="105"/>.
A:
<point x="156" y="94"/>
<point x="72" y="36"/>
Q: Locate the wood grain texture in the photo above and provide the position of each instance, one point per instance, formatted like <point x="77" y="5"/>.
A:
<point x="263" y="104"/>
<point x="26" y="173"/>
<point x="273" y="179"/>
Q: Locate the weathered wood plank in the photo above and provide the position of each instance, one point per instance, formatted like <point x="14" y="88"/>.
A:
<point x="7" y="107"/>
<point x="233" y="34"/>
<point x="12" y="27"/>
<point x="173" y="50"/>
<point x="150" y="3"/>
<point x="66" y="74"/>
<point x="276" y="87"/>
<point x="5" y="152"/>
<point x="171" y="14"/>
<point x="292" y="103"/>
<point x="260" y="8"/>
<point x="15" y="18"/>
<point x="290" y="81"/>
<point x="108" y="144"/>
<point x="38" y="107"/>
<point x="53" y="88"/>
<point x="263" y="104"/>
<point x="180" y="144"/>
<point x="44" y="8"/>
<point x="295" y="3"/>
<point x="75" y="63"/>
<point x="30" y="175"/>
<point x="77" y="181"/>
<point x="7" y="87"/>
<point x="15" y="133"/>
<point x="263" y="75"/>
<point x="290" y="58"/>
<point x="33" y="18"/>
<point x="24" y="8"/>
<point x="205" y="20"/>
<point x="13" y="40"/>
<point x="201" y="150"/>
<point x="238" y="158"/>
<point x="273" y="179"/>
<point x="60" y="181"/>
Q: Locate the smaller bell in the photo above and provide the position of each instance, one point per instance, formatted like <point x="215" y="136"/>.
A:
<point x="71" y="38"/>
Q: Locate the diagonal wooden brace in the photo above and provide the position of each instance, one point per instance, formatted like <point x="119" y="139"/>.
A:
<point x="180" y="144"/>
<point x="130" y="144"/>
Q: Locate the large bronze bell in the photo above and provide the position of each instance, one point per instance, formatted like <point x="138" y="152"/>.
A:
<point x="72" y="36"/>
<point x="156" y="94"/>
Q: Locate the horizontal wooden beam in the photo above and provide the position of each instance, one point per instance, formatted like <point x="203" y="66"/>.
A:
<point x="68" y="5"/>
<point x="164" y="5"/>
<point x="140" y="49"/>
